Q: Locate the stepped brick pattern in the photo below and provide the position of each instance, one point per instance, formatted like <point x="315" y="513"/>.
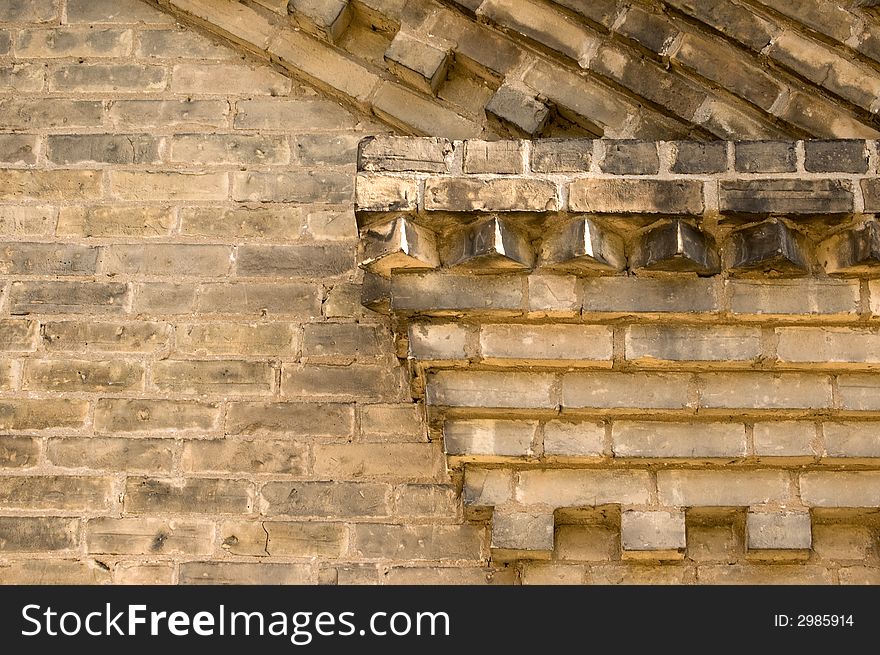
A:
<point x="278" y="305"/>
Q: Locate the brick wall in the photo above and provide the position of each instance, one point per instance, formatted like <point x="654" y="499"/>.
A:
<point x="191" y="389"/>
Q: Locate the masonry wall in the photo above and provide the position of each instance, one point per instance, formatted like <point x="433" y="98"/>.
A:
<point x="191" y="390"/>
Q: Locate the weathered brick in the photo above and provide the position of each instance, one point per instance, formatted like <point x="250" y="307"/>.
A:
<point x="385" y="193"/>
<point x="786" y="196"/>
<point x="102" y="149"/>
<point x="149" y="536"/>
<point x="609" y="390"/>
<point x="167" y="259"/>
<point x="140" y="337"/>
<point x="835" y="156"/>
<point x="765" y="157"/>
<point x="237" y="573"/>
<point x="108" y="221"/>
<point x="715" y="542"/>
<point x="338" y="499"/>
<point x="851" y="439"/>
<point x="426" y="500"/>
<point x="491" y="389"/>
<point x="627" y="157"/>
<point x="840" y="488"/>
<point x="82" y="375"/>
<point x="237" y="339"/>
<point x="859" y="392"/>
<point x="765" y="390"/>
<point x="283" y="538"/>
<point x="497" y="194"/>
<point x="299" y="419"/>
<point x="393" y="153"/>
<point x="361" y="380"/>
<point x="561" y="155"/>
<point x="794" y="296"/>
<point x="420" y="64"/>
<point x="73" y="42"/>
<point x="19" y="78"/>
<point x="636" y="196"/>
<point x="630" y="294"/>
<point x="379" y="461"/>
<point x="112" y="453"/>
<point x="294" y="261"/>
<point x="574" y="439"/>
<point x="583" y="488"/>
<point x="722" y="488"/>
<point x="40" y="571"/>
<point x="437" y="341"/>
<point x="828" y="344"/>
<point x="107" y="78"/>
<point x="18" y="335"/>
<point x="28" y="11"/>
<point x="35" y="534"/>
<point x="652" y="534"/>
<point x="552" y="573"/>
<point x="110" y="11"/>
<point x="229" y="149"/>
<point x="263" y="456"/>
<point x="392" y="422"/>
<point x="692" y="157"/>
<point x="18" y="452"/>
<point x="312" y="150"/>
<point x="182" y="114"/>
<point x="191" y="496"/>
<point x="136" y="573"/>
<point x="17" y="149"/>
<point x="294" y="115"/>
<point x="517" y="532"/>
<point x="503" y="438"/>
<point x="32" y="414"/>
<point x="842" y="542"/>
<point x="123" y="415"/>
<point x="263" y="299"/>
<point x="785" y="439"/>
<point x="177" y="44"/>
<point x="149" y="185"/>
<point x="554" y="295"/>
<point x="871" y="194"/>
<point x="226" y="377"/>
<point x="47" y="259"/>
<point x="228" y="79"/>
<point x="674" y="440"/>
<point x="763" y="574"/>
<point x="66" y="493"/>
<point x="344" y="342"/>
<point x="416" y="292"/>
<point x="50" y="185"/>
<point x="277" y="223"/>
<point x="312" y="186"/>
<point x="562" y="343"/>
<point x="493" y="157"/>
<point x="718" y="343"/>
<point x="487" y="487"/>
<point x="154" y="298"/>
<point x="27" y="113"/>
<point x="419" y="542"/>
<point x="400" y="106"/>
<point x="27" y="219"/>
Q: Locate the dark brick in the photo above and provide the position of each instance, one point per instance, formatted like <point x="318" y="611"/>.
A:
<point x="561" y="155"/>
<point x="699" y="157"/>
<point x="675" y="246"/>
<point x="768" y="246"/>
<point x="631" y="158"/>
<point x="871" y="193"/>
<point x="789" y="196"/>
<point x="765" y="157"/>
<point x="649" y="29"/>
<point x="835" y="156"/>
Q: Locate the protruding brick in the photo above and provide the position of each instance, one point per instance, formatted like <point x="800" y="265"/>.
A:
<point x="636" y="196"/>
<point x="582" y="245"/>
<point x="517" y="110"/>
<point x="486" y="487"/>
<point x="652" y="534"/>
<point x="445" y="341"/>
<point x="518" y="534"/>
<point x="675" y="246"/>
<point x="323" y="18"/>
<point x="398" y="243"/>
<point x="768" y="247"/>
<point x="853" y="251"/>
<point x="777" y="535"/>
<point x="493" y="437"/>
<point x="491" y="244"/>
<point x="421" y="65"/>
<point x="385" y="193"/>
<point x="786" y="196"/>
